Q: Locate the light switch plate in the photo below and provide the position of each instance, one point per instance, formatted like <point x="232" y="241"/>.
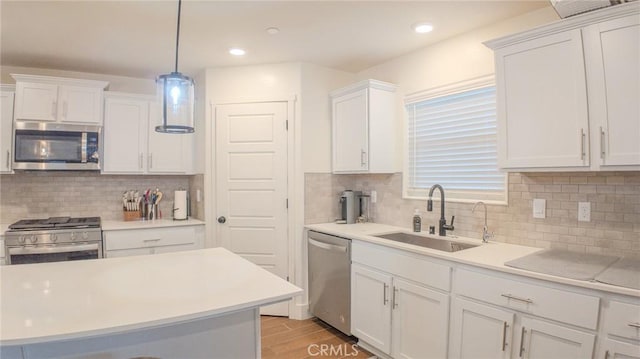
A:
<point x="374" y="196"/>
<point x="539" y="208"/>
<point x="584" y="211"/>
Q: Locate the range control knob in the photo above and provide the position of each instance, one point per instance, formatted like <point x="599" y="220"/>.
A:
<point x="33" y="239"/>
<point x="85" y="235"/>
<point x="54" y="237"/>
<point x="22" y="239"/>
<point x="73" y="236"/>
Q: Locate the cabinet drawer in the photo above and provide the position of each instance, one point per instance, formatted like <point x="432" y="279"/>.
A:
<point x="154" y="237"/>
<point x="407" y="265"/>
<point x="623" y="320"/>
<point x="573" y="308"/>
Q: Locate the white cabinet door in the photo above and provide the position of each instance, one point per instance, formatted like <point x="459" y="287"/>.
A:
<point x="165" y="151"/>
<point x="78" y="104"/>
<point x="125" y="129"/>
<point x="36" y="101"/>
<point x="6" y="130"/>
<point x="542" y="103"/>
<point x="612" y="56"/>
<point x="420" y="321"/>
<point x="542" y="340"/>
<point x="371" y="307"/>
<point x="613" y="349"/>
<point x="350" y="132"/>
<point x="479" y="331"/>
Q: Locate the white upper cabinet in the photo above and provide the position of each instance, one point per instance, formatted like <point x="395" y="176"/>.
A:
<point x="6" y="128"/>
<point x="613" y="76"/>
<point x="43" y="98"/>
<point x="567" y="93"/>
<point x="131" y="144"/>
<point x="363" y="123"/>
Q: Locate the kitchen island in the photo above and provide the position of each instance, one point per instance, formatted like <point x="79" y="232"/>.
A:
<point x="192" y="304"/>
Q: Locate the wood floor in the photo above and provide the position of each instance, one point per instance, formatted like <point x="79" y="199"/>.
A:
<point x="284" y="338"/>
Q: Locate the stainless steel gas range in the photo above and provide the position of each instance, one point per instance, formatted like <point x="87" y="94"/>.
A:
<point x="53" y="239"/>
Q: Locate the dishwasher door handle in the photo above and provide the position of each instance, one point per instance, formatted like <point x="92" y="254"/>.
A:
<point x="328" y="246"/>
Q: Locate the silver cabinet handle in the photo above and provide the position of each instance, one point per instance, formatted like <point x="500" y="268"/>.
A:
<point x="384" y="294"/>
<point x="522" y="342"/>
<point x="363" y="157"/>
<point x="8" y="158"/>
<point x="606" y="354"/>
<point x="151" y="240"/>
<point x="504" y="335"/>
<point x="601" y="143"/>
<point x="634" y="325"/>
<point x="395" y="302"/>
<point x="525" y="300"/>
<point x="582" y="138"/>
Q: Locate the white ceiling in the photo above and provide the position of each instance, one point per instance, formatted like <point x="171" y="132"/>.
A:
<point x="137" y="38"/>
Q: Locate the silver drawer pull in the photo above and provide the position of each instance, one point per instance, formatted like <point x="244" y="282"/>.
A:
<point x="504" y="335"/>
<point x="525" y="300"/>
<point x="151" y="240"/>
<point x="634" y="325"/>
<point x="384" y="295"/>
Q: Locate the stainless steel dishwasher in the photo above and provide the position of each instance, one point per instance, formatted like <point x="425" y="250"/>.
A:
<point x="330" y="279"/>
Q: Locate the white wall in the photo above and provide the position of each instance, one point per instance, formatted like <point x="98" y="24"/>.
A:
<point x="116" y="83"/>
<point x="317" y="83"/>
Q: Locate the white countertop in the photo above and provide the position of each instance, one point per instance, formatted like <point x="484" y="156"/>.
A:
<point x="156" y="223"/>
<point x="490" y="255"/>
<point x="69" y="300"/>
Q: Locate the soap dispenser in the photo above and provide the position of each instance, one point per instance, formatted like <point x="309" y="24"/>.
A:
<point x="417" y="221"/>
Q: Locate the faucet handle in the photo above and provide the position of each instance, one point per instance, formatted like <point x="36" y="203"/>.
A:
<point x="449" y="227"/>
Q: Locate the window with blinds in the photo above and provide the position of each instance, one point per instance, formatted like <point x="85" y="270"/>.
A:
<point x="452" y="141"/>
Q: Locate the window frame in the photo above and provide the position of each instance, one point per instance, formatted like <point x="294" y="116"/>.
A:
<point x="451" y="195"/>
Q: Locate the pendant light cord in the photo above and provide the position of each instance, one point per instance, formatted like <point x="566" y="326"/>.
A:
<point x="178" y="33"/>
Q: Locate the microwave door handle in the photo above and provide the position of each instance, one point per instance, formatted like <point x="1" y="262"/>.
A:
<point x="84" y="148"/>
<point x="55" y="249"/>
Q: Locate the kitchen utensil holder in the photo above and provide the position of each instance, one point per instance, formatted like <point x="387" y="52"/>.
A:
<point x="150" y="212"/>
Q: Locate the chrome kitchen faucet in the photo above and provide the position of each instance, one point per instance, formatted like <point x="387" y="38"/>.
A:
<point x="485" y="230"/>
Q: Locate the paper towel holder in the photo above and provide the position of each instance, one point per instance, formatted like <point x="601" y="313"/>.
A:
<point x="180" y="205"/>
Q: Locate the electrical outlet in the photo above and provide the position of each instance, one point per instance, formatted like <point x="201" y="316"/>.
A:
<point x="198" y="198"/>
<point x="374" y="196"/>
<point x="539" y="208"/>
<point x="584" y="211"/>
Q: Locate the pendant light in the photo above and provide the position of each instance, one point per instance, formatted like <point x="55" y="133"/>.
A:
<point x="177" y="92"/>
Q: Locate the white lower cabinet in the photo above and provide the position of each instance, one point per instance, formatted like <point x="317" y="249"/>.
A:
<point x="395" y="309"/>
<point x="622" y="331"/>
<point x="615" y="349"/>
<point x="133" y="242"/>
<point x="480" y="331"/>
<point x="542" y="340"/>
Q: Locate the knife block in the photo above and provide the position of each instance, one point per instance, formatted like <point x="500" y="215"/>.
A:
<point x="131" y="215"/>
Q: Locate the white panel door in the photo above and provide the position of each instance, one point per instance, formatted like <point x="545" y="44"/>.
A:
<point x="371" y="307"/>
<point x="420" y="321"/>
<point x="251" y="185"/>
<point x="36" y="101"/>
<point x="125" y="127"/>
<point x="351" y="132"/>
<point x="542" y="340"/>
<point x="612" y="50"/>
<point x="6" y="130"/>
<point x="165" y="154"/>
<point x="479" y="331"/>
<point x="614" y="349"/>
<point x="80" y="104"/>
<point x="542" y="103"/>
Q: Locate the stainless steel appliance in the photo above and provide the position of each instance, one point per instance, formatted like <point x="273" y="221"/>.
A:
<point x="349" y="206"/>
<point x="56" y="146"/>
<point x="53" y="239"/>
<point x="330" y="279"/>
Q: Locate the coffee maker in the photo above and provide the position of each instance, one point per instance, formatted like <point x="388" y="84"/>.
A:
<point x="353" y="206"/>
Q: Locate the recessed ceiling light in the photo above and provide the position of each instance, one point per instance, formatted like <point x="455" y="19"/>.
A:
<point x="422" y="28"/>
<point x="237" y="51"/>
<point x="272" y="30"/>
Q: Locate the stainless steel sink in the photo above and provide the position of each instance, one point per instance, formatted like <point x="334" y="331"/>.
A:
<point x="439" y="244"/>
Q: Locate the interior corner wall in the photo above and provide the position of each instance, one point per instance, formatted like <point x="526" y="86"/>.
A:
<point x="317" y="83"/>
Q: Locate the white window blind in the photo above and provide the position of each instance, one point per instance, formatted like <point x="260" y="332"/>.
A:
<point x="452" y="141"/>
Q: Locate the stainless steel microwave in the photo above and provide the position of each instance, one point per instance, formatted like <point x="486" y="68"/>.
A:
<point x="56" y="146"/>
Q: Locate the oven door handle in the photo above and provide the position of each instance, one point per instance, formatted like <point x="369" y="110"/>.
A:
<point x="53" y="249"/>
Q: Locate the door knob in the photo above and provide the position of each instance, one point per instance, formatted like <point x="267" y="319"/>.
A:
<point x="221" y="219"/>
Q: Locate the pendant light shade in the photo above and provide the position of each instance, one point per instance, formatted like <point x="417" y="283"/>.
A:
<point x="177" y="91"/>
